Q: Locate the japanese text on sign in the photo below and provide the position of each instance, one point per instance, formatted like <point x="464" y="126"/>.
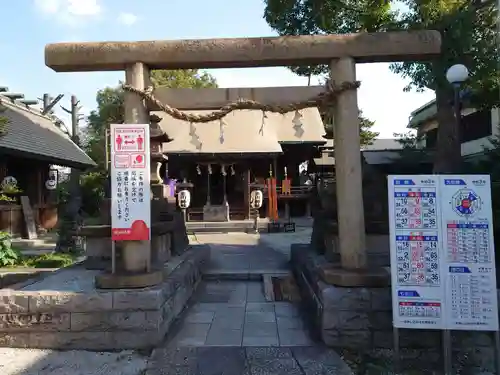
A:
<point x="130" y="176"/>
<point x="442" y="263"/>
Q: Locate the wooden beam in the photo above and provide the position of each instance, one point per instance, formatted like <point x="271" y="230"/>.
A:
<point x="244" y="52"/>
<point x="206" y="98"/>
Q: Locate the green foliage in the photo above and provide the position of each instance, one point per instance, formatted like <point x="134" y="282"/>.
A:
<point x="12" y="257"/>
<point x="468" y="37"/>
<point x="365" y="125"/>
<point x="49" y="260"/>
<point x="110" y="110"/>
<point x="9" y="256"/>
<point x="7" y="189"/>
<point x="189" y="78"/>
<point x="412" y="155"/>
<point x="366" y="134"/>
<point x="296" y="17"/>
<point x="92" y="191"/>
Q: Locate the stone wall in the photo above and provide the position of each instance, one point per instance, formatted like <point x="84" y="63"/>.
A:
<point x="361" y="318"/>
<point x="97" y="244"/>
<point x="100" y="320"/>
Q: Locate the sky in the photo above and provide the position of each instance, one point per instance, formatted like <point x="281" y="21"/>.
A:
<point x="28" y="25"/>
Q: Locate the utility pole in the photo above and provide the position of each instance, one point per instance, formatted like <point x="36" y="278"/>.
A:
<point x="70" y="223"/>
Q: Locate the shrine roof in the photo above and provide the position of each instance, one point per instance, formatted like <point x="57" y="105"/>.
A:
<point x="244" y="131"/>
<point x="33" y="135"/>
<point x="381" y="151"/>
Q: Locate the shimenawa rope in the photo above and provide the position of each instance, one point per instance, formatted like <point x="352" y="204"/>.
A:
<point x="320" y="100"/>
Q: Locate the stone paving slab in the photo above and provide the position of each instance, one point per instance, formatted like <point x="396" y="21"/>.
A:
<point x="242" y="253"/>
<point x="257" y="360"/>
<point x="230" y="313"/>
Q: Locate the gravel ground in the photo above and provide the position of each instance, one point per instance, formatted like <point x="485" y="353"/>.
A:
<point x="74" y="362"/>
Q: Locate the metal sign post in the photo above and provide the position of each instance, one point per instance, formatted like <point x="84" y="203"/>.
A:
<point x="447" y="352"/>
<point x="113" y="257"/>
<point x="397" y="354"/>
<point x="130" y="186"/>
<point x="497" y="351"/>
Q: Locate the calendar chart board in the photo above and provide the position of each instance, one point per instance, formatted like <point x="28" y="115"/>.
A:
<point x="442" y="253"/>
<point x="416" y="261"/>
<point x="467" y="223"/>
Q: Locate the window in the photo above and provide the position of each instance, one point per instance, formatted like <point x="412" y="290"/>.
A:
<point x="476" y="125"/>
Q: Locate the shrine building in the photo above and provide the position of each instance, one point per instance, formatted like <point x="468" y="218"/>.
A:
<point x="222" y="161"/>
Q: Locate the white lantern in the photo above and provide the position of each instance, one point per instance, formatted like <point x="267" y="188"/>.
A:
<point x="52" y="181"/>
<point x="256" y="199"/>
<point x="184" y="198"/>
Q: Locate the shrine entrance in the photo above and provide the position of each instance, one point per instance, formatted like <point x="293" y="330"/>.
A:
<point x="339" y="52"/>
<point x="217" y="186"/>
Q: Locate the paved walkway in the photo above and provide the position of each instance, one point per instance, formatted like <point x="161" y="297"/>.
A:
<point x="229" y="328"/>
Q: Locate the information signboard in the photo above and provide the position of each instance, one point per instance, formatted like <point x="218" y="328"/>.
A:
<point x="442" y="253"/>
<point x="130" y="182"/>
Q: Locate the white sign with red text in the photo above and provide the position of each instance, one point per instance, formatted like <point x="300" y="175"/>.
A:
<point x="130" y="180"/>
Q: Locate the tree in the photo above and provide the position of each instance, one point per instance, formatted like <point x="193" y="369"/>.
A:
<point x="365" y="125"/>
<point x="367" y="136"/>
<point x="110" y="101"/>
<point x="412" y="155"/>
<point x="468" y="36"/>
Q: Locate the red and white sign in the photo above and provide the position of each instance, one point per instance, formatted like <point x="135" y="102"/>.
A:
<point x="130" y="138"/>
<point x="130" y="180"/>
<point x="138" y="160"/>
<point x="122" y="161"/>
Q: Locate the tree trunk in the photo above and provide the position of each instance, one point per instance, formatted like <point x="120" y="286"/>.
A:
<point x="448" y="156"/>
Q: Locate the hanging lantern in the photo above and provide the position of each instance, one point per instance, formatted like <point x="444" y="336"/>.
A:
<point x="256" y="199"/>
<point x="184" y="199"/>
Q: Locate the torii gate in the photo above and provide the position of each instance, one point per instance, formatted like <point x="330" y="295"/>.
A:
<point x="340" y="52"/>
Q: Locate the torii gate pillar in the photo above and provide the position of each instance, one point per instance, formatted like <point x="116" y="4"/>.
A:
<point x="351" y="221"/>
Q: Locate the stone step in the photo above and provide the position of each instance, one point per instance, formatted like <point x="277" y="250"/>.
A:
<point x="38" y="244"/>
<point x="242" y="275"/>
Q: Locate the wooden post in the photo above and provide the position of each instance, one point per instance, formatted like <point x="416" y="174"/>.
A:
<point x="209" y="172"/>
<point x="136" y="254"/>
<point x="351" y="223"/>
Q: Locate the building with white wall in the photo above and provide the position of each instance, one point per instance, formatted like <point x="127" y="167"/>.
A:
<point x="477" y="128"/>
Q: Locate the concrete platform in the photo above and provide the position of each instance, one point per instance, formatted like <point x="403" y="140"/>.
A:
<point x="66" y="311"/>
<point x="229" y="313"/>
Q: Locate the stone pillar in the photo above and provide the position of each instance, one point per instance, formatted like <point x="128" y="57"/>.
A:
<point x="136" y="254"/>
<point x="308" y="209"/>
<point x="351" y="221"/>
<point x="287" y="210"/>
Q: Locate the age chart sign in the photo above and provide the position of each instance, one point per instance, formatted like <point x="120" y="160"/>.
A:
<point x="130" y="180"/>
<point x="442" y="253"/>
